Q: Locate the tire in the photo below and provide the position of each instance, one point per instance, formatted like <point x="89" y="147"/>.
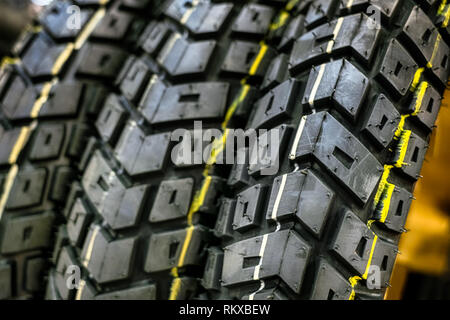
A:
<point x="48" y="98"/>
<point x="356" y="106"/>
<point x="139" y="225"/>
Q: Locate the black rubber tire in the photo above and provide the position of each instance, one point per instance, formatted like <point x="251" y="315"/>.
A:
<point x="356" y="106"/>
<point x="139" y="225"/>
<point x="48" y="99"/>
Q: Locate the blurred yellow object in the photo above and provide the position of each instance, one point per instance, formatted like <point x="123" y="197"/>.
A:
<point x="426" y="247"/>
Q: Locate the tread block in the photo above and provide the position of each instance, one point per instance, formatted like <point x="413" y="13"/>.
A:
<point x="65" y="260"/>
<point x="27" y="233"/>
<point x="194" y="101"/>
<point x="239" y="172"/>
<point x="276" y="73"/>
<point x="223" y="227"/>
<point x="340" y="152"/>
<point x="415" y="155"/>
<point x="33" y="273"/>
<point x="41" y="56"/>
<point x="429" y="107"/>
<point x="354" y="35"/>
<point x="213" y="269"/>
<point x="94" y="96"/>
<point x="421" y="33"/>
<point x="384" y="257"/>
<point x="424" y="36"/>
<point x="78" y="222"/>
<point x="319" y="12"/>
<point x="154" y="36"/>
<point x="382" y="122"/>
<point x="134" y="75"/>
<point x="181" y="58"/>
<point x="265" y="153"/>
<point x="294" y="30"/>
<point x="353" y="242"/>
<point x="101" y="60"/>
<point x="64" y="100"/>
<point x="6" y="275"/>
<point x="242" y="55"/>
<point x="275" y="106"/>
<point x="341" y="75"/>
<point x="78" y="140"/>
<point x="8" y="139"/>
<point x="111" y="120"/>
<point x="147" y="292"/>
<point x="398" y="68"/>
<point x="304" y="196"/>
<point x="140" y="154"/>
<point x="386" y="8"/>
<point x="248" y="208"/>
<point x="165" y="249"/>
<point x="48" y="142"/>
<point x="62" y="177"/>
<point x="109" y="260"/>
<point x="19" y="98"/>
<point x="207" y="18"/>
<point x="253" y="19"/>
<point x="330" y="284"/>
<point x="28" y="189"/>
<point x="172" y="200"/>
<point x="398" y="209"/>
<point x="286" y="255"/>
<point x="120" y="207"/>
<point x="114" y="25"/>
<point x="56" y="20"/>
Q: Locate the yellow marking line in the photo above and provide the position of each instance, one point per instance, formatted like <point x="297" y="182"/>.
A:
<point x="386" y="201"/>
<point x="80" y="289"/>
<point x="335" y="34"/>
<point x="349" y="4"/>
<point x="416" y="80"/>
<point x="403" y="146"/>
<point x="441" y="7"/>
<point x="8" y="184"/>
<point x="79" y="41"/>
<point x="290" y="5"/>
<point x="90" y="247"/>
<point x="189" y="12"/>
<point x="259" y="57"/>
<point x="218" y="146"/>
<point x="8" y="60"/>
<point x="298" y="135"/>
<point x="21" y="142"/>
<point x="89" y="28"/>
<point x="316" y="85"/>
<point x="62" y="58"/>
<point x="447" y="17"/>
<point x="354" y="280"/>
<point x="278" y="198"/>
<point x="281" y="20"/>
<point x="243" y="94"/>
<point x="435" y="50"/>
<point x="37" y="106"/>
<point x="262" y="250"/>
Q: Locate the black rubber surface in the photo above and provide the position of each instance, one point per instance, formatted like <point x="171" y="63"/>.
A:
<point x="47" y="108"/>
<point x="354" y="104"/>
<point x="358" y="127"/>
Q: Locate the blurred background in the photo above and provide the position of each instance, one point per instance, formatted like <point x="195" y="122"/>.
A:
<point x="422" y="267"/>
